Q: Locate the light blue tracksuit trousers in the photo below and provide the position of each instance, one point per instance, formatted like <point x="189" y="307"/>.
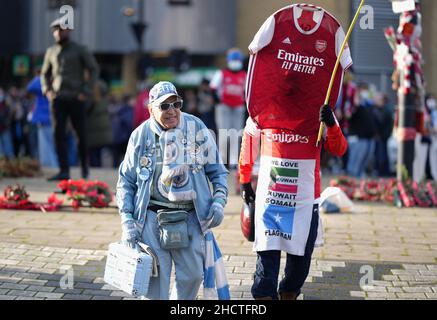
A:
<point x="188" y="261"/>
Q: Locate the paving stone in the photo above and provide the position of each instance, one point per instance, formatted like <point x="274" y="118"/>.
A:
<point x="56" y="277"/>
<point x="22" y="258"/>
<point x="106" y="298"/>
<point x="6" y="297"/>
<point x="4" y="255"/>
<point x="97" y="292"/>
<point x="41" y="289"/>
<point x="38" y="253"/>
<point x="49" y="295"/>
<point x="22" y="293"/>
<point x="13" y="269"/>
<point x="13" y="286"/>
<point x="415" y="267"/>
<point x="424" y="278"/>
<point x="400" y="283"/>
<point x="411" y="295"/>
<point x="81" y="251"/>
<point x="394" y="289"/>
<point x="235" y="275"/>
<point x="428" y="273"/>
<point x="99" y="280"/>
<point x="43" y="270"/>
<point x="358" y="294"/>
<point x="9" y="279"/>
<point x="32" y="264"/>
<point x="77" y="297"/>
<point x="48" y="259"/>
<point x="33" y="282"/>
<point x="407" y="277"/>
<point x="6" y="272"/>
<point x="56" y="266"/>
<point x="382" y="283"/>
<point x="374" y="289"/>
<point x="385" y="295"/>
<point x="4" y="291"/>
<point x="119" y="294"/>
<point x="14" y="251"/>
<point x="92" y="286"/>
<point x="9" y="262"/>
<point x="107" y="287"/>
<point x="26" y="275"/>
<point x="52" y="283"/>
<point x="417" y="289"/>
<point x="405" y="272"/>
<point x="68" y="291"/>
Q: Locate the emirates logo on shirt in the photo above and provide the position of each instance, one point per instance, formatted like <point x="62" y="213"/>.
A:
<point x="321" y="46"/>
<point x="300" y="63"/>
<point x="286" y="138"/>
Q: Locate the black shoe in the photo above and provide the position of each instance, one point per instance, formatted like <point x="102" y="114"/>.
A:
<point x="85" y="174"/>
<point x="59" y="177"/>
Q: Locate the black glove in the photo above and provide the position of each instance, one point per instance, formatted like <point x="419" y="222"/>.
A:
<point x="247" y="193"/>
<point x="327" y="116"/>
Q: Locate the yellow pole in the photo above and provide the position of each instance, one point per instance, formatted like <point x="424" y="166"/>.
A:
<point x="337" y="63"/>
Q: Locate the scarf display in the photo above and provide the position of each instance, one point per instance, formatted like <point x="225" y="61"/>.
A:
<point x="215" y="282"/>
<point x="175" y="176"/>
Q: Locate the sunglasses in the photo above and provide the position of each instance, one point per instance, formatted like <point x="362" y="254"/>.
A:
<point x="167" y="106"/>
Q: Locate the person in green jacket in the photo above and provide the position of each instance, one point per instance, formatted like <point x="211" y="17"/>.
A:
<point x="68" y="89"/>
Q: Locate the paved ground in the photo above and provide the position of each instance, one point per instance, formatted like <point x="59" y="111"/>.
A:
<point x="395" y="248"/>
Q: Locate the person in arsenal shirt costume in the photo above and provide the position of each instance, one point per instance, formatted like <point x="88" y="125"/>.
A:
<point x="292" y="59"/>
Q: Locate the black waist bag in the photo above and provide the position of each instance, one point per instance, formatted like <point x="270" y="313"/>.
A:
<point x="173" y="229"/>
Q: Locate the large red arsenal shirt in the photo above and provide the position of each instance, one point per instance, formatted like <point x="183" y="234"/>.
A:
<point x="290" y="70"/>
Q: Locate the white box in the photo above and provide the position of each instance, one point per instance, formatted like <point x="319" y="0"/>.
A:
<point x="130" y="269"/>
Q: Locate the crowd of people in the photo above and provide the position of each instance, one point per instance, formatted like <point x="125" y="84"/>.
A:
<point x="367" y="117"/>
<point x="26" y="126"/>
<point x="35" y="124"/>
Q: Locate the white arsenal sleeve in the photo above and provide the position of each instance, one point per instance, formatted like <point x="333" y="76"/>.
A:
<point x="264" y="35"/>
<point x="346" y="59"/>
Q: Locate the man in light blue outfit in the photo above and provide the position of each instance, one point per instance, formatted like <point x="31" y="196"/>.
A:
<point x="170" y="161"/>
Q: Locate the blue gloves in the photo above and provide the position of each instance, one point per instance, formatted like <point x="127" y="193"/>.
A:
<point x="130" y="235"/>
<point x="216" y="212"/>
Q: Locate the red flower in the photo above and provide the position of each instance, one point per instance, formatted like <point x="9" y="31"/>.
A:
<point x="52" y="199"/>
<point x="63" y="185"/>
<point x="76" y="205"/>
<point x="93" y="193"/>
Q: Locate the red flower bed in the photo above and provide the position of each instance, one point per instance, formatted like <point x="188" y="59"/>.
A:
<point x="95" y="193"/>
<point x="406" y="193"/>
<point x="421" y="196"/>
<point x="346" y="184"/>
<point x="371" y="190"/>
<point x="16" y="198"/>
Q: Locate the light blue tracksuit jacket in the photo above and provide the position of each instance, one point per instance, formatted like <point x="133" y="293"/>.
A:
<point x="133" y="187"/>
